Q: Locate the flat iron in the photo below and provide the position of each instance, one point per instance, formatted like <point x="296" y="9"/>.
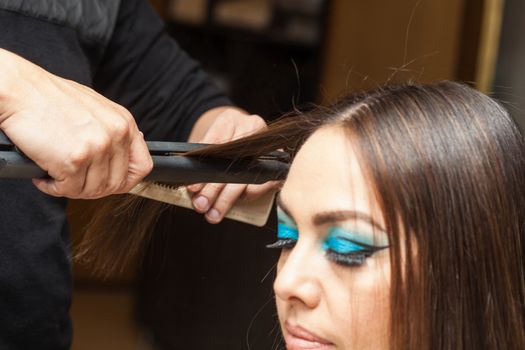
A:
<point x="171" y="167"/>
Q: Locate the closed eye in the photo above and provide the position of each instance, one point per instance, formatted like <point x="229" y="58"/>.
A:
<point x="346" y="251"/>
<point x="344" y="245"/>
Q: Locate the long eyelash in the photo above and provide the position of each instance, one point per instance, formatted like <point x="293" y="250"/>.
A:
<point x="286" y="243"/>
<point x="348" y="259"/>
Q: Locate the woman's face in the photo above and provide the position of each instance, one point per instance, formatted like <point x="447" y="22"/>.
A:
<point x="333" y="276"/>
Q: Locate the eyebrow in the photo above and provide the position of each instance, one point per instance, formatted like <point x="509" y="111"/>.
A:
<point x="334" y="216"/>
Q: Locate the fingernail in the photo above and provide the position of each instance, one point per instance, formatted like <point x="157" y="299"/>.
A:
<point x="213" y="215"/>
<point x="201" y="203"/>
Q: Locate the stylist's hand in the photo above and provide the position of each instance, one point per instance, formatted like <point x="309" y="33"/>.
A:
<point x="90" y="146"/>
<point x="219" y="126"/>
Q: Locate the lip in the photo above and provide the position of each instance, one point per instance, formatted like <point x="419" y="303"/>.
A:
<point x="298" y="338"/>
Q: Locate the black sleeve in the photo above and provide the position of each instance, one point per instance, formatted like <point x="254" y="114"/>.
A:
<point x="145" y="70"/>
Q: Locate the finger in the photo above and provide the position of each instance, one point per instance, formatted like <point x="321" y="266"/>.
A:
<point x="249" y="125"/>
<point x="214" y="135"/>
<point x="97" y="175"/>
<point x="253" y="192"/>
<point x="140" y="162"/>
<point x="194" y="188"/>
<point x="120" y="130"/>
<point x="118" y="166"/>
<point x="48" y="186"/>
<point x="64" y="186"/>
<point x="220" y="132"/>
<point x="97" y="169"/>
<point x="224" y="202"/>
<point x="204" y="200"/>
<point x="245" y="129"/>
<point x="118" y="170"/>
<point x="224" y="129"/>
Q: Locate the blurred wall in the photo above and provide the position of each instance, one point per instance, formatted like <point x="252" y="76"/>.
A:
<point x="509" y="83"/>
<point x="159" y="5"/>
<point x="366" y="42"/>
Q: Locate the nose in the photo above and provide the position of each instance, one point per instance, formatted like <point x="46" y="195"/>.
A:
<point x="298" y="278"/>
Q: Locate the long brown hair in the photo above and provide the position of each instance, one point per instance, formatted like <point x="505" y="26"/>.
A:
<point x="447" y="166"/>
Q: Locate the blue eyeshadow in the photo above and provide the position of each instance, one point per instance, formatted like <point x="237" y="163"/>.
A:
<point x="342" y="245"/>
<point x="343" y="241"/>
<point x="286" y="227"/>
<point x="286" y="232"/>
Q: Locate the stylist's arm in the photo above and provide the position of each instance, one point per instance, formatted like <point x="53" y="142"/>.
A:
<point x="90" y="146"/>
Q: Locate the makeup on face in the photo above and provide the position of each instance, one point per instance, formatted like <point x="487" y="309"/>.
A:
<point x="287" y="231"/>
<point x="342" y="243"/>
<point x="333" y="275"/>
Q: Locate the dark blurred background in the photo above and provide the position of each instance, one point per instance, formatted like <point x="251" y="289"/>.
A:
<point x="210" y="287"/>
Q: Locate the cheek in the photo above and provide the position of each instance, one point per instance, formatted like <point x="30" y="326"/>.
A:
<point x="281" y="304"/>
<point x="362" y="311"/>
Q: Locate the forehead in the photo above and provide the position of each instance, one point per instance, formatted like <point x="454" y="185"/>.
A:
<point x="325" y="175"/>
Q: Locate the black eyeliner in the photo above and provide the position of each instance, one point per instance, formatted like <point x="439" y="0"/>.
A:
<point x="285" y="243"/>
<point x="351" y="259"/>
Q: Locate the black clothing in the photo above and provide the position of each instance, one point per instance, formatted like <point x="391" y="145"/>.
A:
<point x="92" y="20"/>
<point x="126" y="56"/>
